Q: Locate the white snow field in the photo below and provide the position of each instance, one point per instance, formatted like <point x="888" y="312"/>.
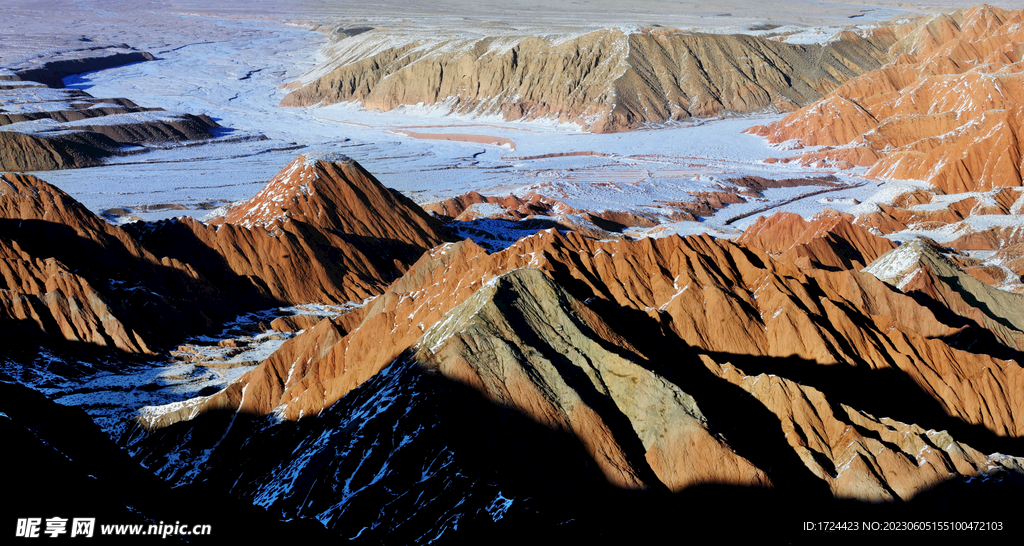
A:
<point x="236" y="81"/>
<point x="229" y="60"/>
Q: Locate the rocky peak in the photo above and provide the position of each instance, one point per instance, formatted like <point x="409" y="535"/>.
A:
<point x="25" y="197"/>
<point x="526" y="343"/>
<point x="830" y="239"/>
<point x="331" y="192"/>
<point x="280" y="198"/>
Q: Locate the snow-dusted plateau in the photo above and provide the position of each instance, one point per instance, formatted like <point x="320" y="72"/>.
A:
<point x="414" y="273"/>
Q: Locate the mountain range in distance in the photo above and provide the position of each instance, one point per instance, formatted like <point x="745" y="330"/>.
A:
<point x="334" y="358"/>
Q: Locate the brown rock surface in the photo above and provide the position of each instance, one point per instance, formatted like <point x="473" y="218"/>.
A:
<point x="605" y="81"/>
<point x="294" y="323"/>
<point x="541" y="212"/>
<point x="53" y="67"/>
<point x="471" y="316"/>
<point x="715" y="297"/>
<point x="909" y="211"/>
<point x="829" y="240"/>
<point x="990" y="239"/>
<point x="602" y="223"/>
<point x="606" y="341"/>
<point x="23" y="152"/>
<point x="43" y="296"/>
<point x="919" y="268"/>
<point x="860" y="456"/>
<point x="67" y="275"/>
<point x="339" y="236"/>
<point x="332" y="192"/>
<point x="526" y="343"/>
<point x="514" y="208"/>
<point x="53" y="128"/>
<point x="946" y="110"/>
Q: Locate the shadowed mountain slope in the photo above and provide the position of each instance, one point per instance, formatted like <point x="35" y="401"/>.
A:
<point x="69" y="275"/>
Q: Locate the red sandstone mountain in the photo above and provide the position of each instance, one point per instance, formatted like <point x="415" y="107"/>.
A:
<point x="809" y="359"/>
<point x="905" y="211"/>
<point x="333" y="193"/>
<point x="959" y="215"/>
<point x="834" y="329"/>
<point x="920" y="269"/>
<point x="322" y="230"/>
<point x="946" y="110"/>
<point x="70" y="275"/>
<point x="829" y="240"/>
<point x="770" y="363"/>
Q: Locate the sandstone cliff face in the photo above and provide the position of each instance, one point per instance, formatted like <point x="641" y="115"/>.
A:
<point x="833" y="328"/>
<point x="335" y="235"/>
<point x="946" y="110"/>
<point x="525" y="343"/>
<point x="605" y="81"/>
<point x="69" y="275"/>
<point x="322" y="230"/>
<point x="24" y="152"/>
<point x="858" y="455"/>
<point x="920" y="268"/>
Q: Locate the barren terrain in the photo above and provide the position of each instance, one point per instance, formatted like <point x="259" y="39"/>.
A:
<point x="444" y="271"/>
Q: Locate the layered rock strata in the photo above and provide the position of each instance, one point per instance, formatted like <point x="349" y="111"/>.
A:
<point x="946" y="110"/>
<point x="830" y="240"/>
<point x="605" y="81"/>
<point x="46" y="127"/>
<point x="322" y="230"/>
<point x="69" y="275"/>
<point x="51" y="69"/>
<point x="651" y="358"/>
<point x="828" y="329"/>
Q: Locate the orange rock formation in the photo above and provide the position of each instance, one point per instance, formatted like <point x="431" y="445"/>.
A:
<point x="606" y="81"/>
<point x="618" y="344"/>
<point x="321" y="231"/>
<point x="947" y="109"/>
<point x="725" y="301"/>
<point x="830" y="240"/>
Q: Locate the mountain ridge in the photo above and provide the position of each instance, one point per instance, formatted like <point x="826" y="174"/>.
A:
<point x="605" y="81"/>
